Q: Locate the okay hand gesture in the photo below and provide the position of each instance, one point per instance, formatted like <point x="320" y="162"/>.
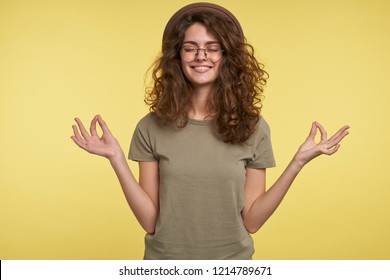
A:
<point x="310" y="149"/>
<point x="105" y="145"/>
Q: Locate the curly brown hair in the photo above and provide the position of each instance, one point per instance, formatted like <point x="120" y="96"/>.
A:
<point x="237" y="94"/>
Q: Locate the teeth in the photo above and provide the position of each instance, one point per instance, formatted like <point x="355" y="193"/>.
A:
<point x="201" y="67"/>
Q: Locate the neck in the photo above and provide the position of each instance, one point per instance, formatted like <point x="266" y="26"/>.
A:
<point x="199" y="109"/>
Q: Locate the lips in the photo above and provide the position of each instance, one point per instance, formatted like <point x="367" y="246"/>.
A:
<point x="201" y="68"/>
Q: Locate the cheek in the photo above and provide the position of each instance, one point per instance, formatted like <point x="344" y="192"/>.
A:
<point x="184" y="69"/>
<point x="218" y="68"/>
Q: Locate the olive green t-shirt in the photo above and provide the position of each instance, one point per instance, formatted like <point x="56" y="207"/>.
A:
<point x="201" y="188"/>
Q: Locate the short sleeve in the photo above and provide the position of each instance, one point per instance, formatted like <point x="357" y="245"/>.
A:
<point x="263" y="156"/>
<point x="141" y="145"/>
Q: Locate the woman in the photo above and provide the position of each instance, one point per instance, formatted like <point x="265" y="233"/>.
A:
<point x="204" y="148"/>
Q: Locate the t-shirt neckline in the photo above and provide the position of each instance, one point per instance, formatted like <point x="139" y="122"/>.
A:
<point x="200" y="122"/>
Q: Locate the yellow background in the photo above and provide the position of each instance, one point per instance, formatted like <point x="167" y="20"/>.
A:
<point x="328" y="61"/>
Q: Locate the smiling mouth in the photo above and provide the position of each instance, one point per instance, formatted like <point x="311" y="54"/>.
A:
<point x="201" y="68"/>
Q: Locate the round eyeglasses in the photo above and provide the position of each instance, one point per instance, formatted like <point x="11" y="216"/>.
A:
<point x="211" y="53"/>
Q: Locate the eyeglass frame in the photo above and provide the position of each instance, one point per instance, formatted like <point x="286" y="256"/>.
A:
<point x="205" y="53"/>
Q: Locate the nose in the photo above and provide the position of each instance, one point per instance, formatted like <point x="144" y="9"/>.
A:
<point x="198" y="55"/>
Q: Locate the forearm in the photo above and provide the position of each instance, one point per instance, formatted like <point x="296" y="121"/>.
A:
<point x="267" y="203"/>
<point x="140" y="203"/>
<point x="107" y="146"/>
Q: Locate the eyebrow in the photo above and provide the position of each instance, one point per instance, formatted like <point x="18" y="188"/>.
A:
<point x="195" y="43"/>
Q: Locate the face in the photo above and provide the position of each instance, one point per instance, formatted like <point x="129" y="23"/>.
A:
<point x="201" y="72"/>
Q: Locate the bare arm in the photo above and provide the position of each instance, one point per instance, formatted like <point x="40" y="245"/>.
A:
<point x="140" y="197"/>
<point x="260" y="204"/>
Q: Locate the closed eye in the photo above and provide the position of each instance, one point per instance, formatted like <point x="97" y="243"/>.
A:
<point x="213" y="49"/>
<point x="190" y="49"/>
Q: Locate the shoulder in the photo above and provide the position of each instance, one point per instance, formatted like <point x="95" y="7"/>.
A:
<point x="263" y="125"/>
<point x="152" y="126"/>
<point x="263" y="156"/>
<point x="149" y="121"/>
<point x="262" y="129"/>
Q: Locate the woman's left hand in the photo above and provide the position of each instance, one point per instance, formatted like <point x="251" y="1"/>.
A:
<point x="310" y="149"/>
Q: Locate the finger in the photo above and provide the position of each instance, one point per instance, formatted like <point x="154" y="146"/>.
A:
<point x="92" y="128"/>
<point x="84" y="132"/>
<point x="333" y="150"/>
<point x="324" y="135"/>
<point x="77" y="141"/>
<point x="103" y="125"/>
<point x="80" y="141"/>
<point x="313" y="131"/>
<point x="338" y="136"/>
<point x="77" y="135"/>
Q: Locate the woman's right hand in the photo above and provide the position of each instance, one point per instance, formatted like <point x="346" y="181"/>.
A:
<point x="106" y="145"/>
